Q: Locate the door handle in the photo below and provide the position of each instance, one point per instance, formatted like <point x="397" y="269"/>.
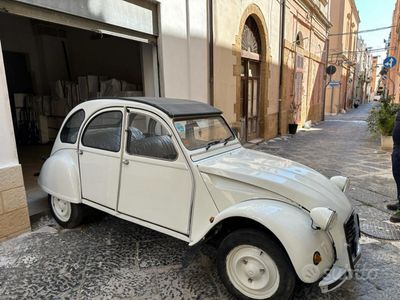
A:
<point x="125" y="162"/>
<point x="80" y="152"/>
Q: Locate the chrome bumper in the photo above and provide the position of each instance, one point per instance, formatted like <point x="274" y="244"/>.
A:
<point x="338" y="274"/>
<point x="334" y="279"/>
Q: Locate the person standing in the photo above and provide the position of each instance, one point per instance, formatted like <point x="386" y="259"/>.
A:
<point x="395" y="218"/>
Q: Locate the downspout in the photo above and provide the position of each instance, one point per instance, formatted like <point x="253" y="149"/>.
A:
<point x="211" y="51"/>
<point x="326" y="80"/>
<point x="326" y="61"/>
<point x="310" y="62"/>
<point x="282" y="60"/>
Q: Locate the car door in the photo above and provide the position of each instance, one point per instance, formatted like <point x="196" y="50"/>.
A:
<point x="156" y="182"/>
<point x="100" y="157"/>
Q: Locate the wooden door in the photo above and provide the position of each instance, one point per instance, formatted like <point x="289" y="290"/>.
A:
<point x="250" y="97"/>
<point x="298" y="87"/>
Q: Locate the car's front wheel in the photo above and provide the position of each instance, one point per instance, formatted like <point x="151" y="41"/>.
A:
<point x="67" y="214"/>
<point x="253" y="265"/>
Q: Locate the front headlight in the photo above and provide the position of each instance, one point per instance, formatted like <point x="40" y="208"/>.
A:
<point x="342" y="182"/>
<point x="322" y="217"/>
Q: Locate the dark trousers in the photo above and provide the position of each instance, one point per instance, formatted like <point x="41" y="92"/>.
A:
<point x="396" y="168"/>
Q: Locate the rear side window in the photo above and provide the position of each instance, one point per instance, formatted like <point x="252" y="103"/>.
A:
<point x="69" y="133"/>
<point x="104" y="131"/>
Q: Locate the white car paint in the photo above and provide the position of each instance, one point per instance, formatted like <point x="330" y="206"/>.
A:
<point x="100" y="171"/>
<point x="65" y="183"/>
<point x="224" y="182"/>
<point x="154" y="179"/>
<point x="271" y="174"/>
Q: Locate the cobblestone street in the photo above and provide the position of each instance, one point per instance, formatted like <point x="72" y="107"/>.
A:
<point x="110" y="258"/>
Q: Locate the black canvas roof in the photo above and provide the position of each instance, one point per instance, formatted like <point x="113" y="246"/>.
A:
<point x="175" y="108"/>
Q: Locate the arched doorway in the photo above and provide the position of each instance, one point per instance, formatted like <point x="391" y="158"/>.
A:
<point x="250" y="79"/>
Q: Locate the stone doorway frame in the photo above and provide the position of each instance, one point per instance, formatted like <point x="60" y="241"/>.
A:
<point x="254" y="11"/>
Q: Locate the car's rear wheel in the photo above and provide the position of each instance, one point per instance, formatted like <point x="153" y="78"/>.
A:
<point x="253" y="265"/>
<point x="67" y="214"/>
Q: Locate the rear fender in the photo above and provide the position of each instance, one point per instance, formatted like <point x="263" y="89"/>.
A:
<point x="292" y="227"/>
<point x="59" y="176"/>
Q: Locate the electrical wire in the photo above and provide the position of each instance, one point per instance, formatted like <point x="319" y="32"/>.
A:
<point x="361" y="31"/>
<point x="369" y="51"/>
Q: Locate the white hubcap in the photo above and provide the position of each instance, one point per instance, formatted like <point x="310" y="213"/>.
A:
<point x="252" y="272"/>
<point x="61" y="208"/>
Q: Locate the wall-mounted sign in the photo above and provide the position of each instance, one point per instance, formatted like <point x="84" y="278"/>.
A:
<point x="334" y="83"/>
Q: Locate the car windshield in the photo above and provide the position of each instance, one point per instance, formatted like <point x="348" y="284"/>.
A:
<point x="203" y="132"/>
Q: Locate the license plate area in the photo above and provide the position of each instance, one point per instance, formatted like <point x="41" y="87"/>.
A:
<point x="352" y="232"/>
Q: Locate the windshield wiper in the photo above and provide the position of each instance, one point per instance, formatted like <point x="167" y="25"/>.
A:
<point x="227" y="140"/>
<point x="212" y="143"/>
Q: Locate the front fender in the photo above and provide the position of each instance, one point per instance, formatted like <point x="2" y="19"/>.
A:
<point x="59" y="176"/>
<point x="292" y="227"/>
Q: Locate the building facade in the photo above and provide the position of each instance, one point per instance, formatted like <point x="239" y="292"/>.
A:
<point x="374" y="78"/>
<point x="304" y="61"/>
<point x="392" y="81"/>
<point x="246" y="65"/>
<point x="343" y="55"/>
<point x="255" y="97"/>
<point x="363" y="71"/>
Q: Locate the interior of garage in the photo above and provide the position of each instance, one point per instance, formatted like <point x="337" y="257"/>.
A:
<point x="50" y="68"/>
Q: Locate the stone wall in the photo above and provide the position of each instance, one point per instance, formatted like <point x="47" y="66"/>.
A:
<point x="14" y="216"/>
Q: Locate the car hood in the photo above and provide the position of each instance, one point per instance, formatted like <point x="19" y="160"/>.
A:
<point x="290" y="180"/>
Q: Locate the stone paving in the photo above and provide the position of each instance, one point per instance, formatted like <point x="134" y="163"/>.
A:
<point x="108" y="258"/>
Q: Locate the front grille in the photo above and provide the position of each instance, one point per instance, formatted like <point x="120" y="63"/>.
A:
<point x="352" y="231"/>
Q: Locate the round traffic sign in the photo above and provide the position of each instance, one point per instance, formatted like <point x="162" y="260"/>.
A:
<point x="389" y="62"/>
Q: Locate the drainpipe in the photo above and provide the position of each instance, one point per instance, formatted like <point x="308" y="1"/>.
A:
<point x="211" y="51"/>
<point x="310" y="61"/>
<point x="282" y="59"/>
<point x="326" y="80"/>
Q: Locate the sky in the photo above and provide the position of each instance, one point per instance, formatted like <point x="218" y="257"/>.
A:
<point x="373" y="14"/>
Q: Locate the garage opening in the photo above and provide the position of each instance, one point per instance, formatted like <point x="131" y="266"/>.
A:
<point x="51" y="68"/>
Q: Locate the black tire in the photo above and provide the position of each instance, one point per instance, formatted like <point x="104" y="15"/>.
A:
<point x="263" y="241"/>
<point x="76" y="217"/>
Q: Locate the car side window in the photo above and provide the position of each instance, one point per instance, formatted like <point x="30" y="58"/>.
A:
<point x="69" y="133"/>
<point x="148" y="137"/>
<point x="104" y="131"/>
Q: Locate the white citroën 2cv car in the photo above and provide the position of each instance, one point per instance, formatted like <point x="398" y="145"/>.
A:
<point x="175" y="166"/>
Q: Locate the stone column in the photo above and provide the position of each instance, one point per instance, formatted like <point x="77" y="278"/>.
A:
<point x="14" y="216"/>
